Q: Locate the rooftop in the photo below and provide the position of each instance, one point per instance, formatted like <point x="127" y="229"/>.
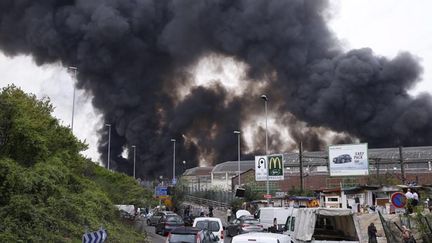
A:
<point x="231" y="166"/>
<point x="198" y="171"/>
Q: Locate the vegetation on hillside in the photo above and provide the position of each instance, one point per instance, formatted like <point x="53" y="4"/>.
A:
<point x="48" y="191"/>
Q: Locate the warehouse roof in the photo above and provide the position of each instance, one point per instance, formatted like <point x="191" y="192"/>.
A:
<point x="198" y="171"/>
<point x="231" y="166"/>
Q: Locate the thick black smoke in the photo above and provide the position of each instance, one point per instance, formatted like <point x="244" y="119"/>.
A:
<point x="134" y="57"/>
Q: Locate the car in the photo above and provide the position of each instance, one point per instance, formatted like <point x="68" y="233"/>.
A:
<point x="244" y="224"/>
<point x="154" y="219"/>
<point x="260" y="237"/>
<point x="191" y="235"/>
<point x="167" y="223"/>
<point x="343" y="158"/>
<point x="214" y="225"/>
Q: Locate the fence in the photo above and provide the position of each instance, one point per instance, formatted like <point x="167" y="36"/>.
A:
<point x="214" y="195"/>
<point x="206" y="202"/>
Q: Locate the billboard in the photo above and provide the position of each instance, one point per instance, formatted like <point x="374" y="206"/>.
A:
<point x="272" y="165"/>
<point x="348" y="160"/>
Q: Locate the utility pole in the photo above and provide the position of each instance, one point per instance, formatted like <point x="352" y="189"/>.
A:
<point x="265" y="98"/>
<point x="377" y="170"/>
<point x="75" y="70"/>
<point x="109" y="145"/>
<point x="402" y="165"/>
<point x="301" y="166"/>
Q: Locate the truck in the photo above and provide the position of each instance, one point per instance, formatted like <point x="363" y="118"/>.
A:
<point x="322" y="225"/>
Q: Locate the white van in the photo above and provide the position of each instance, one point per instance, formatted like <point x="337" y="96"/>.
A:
<point x="260" y="238"/>
<point x="213" y="225"/>
<point x="321" y="225"/>
<point x="267" y="215"/>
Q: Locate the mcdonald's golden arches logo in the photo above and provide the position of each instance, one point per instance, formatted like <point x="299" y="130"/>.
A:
<point x="275" y="165"/>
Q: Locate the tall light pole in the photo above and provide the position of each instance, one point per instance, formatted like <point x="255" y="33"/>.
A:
<point x="238" y="152"/>
<point x="264" y="97"/>
<point x="134" y="159"/>
<point x="109" y="144"/>
<point x="174" y="141"/>
<point x="75" y="70"/>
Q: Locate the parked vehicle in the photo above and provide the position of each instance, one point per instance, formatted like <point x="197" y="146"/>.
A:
<point x="154" y="219"/>
<point x="244" y="224"/>
<point x="242" y="212"/>
<point x="260" y="237"/>
<point x="191" y="235"/>
<point x="267" y="215"/>
<point x="343" y="158"/>
<point x="211" y="224"/>
<point x="167" y="223"/>
<point x="321" y="225"/>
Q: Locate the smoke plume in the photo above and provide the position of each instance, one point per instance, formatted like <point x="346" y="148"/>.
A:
<point x="135" y="57"/>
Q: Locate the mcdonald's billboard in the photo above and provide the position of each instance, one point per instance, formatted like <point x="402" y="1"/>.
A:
<point x="271" y="165"/>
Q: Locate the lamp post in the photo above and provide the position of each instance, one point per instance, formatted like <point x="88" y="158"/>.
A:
<point x="134" y="159"/>
<point x="75" y="70"/>
<point x="238" y="153"/>
<point x="109" y="145"/>
<point x="264" y="97"/>
<point x="174" y="141"/>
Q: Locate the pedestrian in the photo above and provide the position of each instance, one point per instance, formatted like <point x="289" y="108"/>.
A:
<point x="409" y="194"/>
<point x="201" y="211"/>
<point x="372" y="233"/>
<point x="229" y="212"/>
<point x="415" y="199"/>
<point x="274" y="228"/>
<point x="407" y="235"/>
<point x="210" y="211"/>
<point x="429" y="204"/>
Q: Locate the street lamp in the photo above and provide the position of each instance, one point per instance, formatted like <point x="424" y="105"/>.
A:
<point x="264" y="97"/>
<point x="75" y="70"/>
<point x="173" y="140"/>
<point x="134" y="159"/>
<point x="109" y="144"/>
<point x="238" y="147"/>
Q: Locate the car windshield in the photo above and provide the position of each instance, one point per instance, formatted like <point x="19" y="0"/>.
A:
<point x="212" y="226"/>
<point x="183" y="238"/>
<point x="174" y="219"/>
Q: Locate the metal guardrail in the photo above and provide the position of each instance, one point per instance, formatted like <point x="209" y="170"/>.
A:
<point x="206" y="202"/>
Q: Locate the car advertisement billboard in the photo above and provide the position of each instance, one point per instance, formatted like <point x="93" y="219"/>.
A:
<point x="272" y="165"/>
<point x="348" y="160"/>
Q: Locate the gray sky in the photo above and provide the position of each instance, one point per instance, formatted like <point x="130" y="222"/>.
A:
<point x="386" y="26"/>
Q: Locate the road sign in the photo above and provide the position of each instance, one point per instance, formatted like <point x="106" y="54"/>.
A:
<point x="267" y="196"/>
<point x="272" y="165"/>
<point x="97" y="237"/>
<point x="161" y="191"/>
<point x="276" y="166"/>
<point x="260" y="168"/>
<point x="398" y="199"/>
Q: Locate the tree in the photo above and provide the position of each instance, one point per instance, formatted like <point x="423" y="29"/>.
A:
<point x="48" y="191"/>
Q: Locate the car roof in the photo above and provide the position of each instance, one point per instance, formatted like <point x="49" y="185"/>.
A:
<point x="207" y="218"/>
<point x="185" y="230"/>
<point x="261" y="235"/>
